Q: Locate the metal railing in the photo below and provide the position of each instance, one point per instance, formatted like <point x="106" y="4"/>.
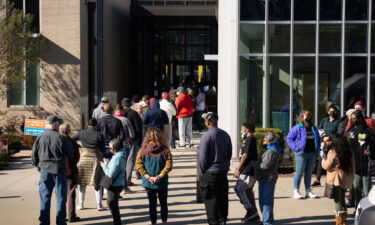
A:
<point x="177" y="2"/>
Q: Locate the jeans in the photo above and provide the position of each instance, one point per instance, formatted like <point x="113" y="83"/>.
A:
<point x="152" y="195"/>
<point x="215" y="197"/>
<point x="361" y="184"/>
<point x="304" y="166"/>
<point x="112" y="201"/>
<point x="185" y="130"/>
<point x="134" y="148"/>
<point x="246" y="195"/>
<point x="339" y="199"/>
<point x="266" y="198"/>
<point x="47" y="182"/>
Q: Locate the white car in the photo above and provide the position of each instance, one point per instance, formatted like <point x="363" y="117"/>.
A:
<point x="365" y="214"/>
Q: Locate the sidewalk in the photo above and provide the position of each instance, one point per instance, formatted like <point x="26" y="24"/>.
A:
<point x="19" y="201"/>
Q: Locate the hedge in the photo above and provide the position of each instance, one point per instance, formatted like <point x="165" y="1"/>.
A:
<point x="4" y="159"/>
<point x="259" y="135"/>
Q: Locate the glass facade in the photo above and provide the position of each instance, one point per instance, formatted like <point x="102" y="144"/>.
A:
<point x="304" y="55"/>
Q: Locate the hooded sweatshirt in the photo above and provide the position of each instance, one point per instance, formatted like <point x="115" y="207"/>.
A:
<point x="156" y="117"/>
<point x="154" y="160"/>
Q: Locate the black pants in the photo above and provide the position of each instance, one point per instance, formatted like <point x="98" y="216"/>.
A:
<point x="71" y="197"/>
<point x="152" y="195"/>
<point x="319" y="170"/>
<point x="112" y="201"/>
<point x="214" y="187"/>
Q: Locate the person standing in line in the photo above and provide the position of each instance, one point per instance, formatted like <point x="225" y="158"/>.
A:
<point x="154" y="162"/>
<point x="155" y="117"/>
<point x="171" y="111"/>
<point x="48" y="155"/>
<point x="98" y="111"/>
<point x="245" y="173"/>
<point x="215" y="154"/>
<point x="266" y="172"/>
<point x="129" y="134"/>
<point x="134" y="102"/>
<point x="89" y="171"/>
<point x="144" y="105"/>
<point x="304" y="140"/>
<point x="136" y="122"/>
<point x="200" y="108"/>
<point x="184" y="107"/>
<point x="174" y="122"/>
<point x="339" y="164"/>
<point x="71" y="175"/>
<point x="360" y="138"/>
<point x="329" y="125"/>
<point x="110" y="127"/>
<point x="115" y="169"/>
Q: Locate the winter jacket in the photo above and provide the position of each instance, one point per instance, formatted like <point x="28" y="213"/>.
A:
<point x="128" y="129"/>
<point x="98" y="111"/>
<point x="111" y="128"/>
<point x="115" y="169"/>
<point x="49" y="152"/>
<point x="297" y="138"/>
<point x="267" y="168"/>
<point x="136" y="122"/>
<point x="168" y="108"/>
<point x="335" y="176"/>
<point x="154" y="160"/>
<point x="71" y="164"/>
<point x="156" y="117"/>
<point x="91" y="138"/>
<point x="184" y="106"/>
<point x="201" y="102"/>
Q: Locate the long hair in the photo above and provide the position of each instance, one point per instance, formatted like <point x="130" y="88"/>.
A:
<point x="344" y="155"/>
<point x="302" y="114"/>
<point x="153" y="136"/>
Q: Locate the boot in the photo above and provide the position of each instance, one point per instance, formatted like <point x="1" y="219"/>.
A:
<point x="341" y="218"/>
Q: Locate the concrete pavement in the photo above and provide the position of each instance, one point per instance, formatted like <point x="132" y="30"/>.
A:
<point x="19" y="200"/>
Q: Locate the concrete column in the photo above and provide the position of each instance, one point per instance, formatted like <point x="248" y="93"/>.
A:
<point x="228" y="69"/>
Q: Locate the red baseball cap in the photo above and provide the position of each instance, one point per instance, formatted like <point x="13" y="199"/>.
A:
<point x="165" y="95"/>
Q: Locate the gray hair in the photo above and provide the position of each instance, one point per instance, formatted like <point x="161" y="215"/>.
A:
<point x="270" y="137"/>
<point x="65" y="128"/>
<point x="116" y="144"/>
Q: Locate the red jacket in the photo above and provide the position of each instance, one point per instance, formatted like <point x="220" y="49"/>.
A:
<point x="184" y="106"/>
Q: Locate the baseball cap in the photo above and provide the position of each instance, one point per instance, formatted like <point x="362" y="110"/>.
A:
<point x="165" y="95"/>
<point x="104" y="99"/>
<point x="52" y="119"/>
<point x="211" y="116"/>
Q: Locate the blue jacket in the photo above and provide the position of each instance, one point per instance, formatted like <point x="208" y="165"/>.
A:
<point x="116" y="168"/>
<point x="155" y="117"/>
<point x="297" y="138"/>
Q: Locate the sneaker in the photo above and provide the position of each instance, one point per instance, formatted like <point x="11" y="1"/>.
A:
<point x="74" y="219"/>
<point x="130" y="184"/>
<point x="100" y="208"/>
<point x="316" y="183"/>
<point x="297" y="195"/>
<point x="191" y="146"/>
<point x="80" y="207"/>
<point x="310" y="194"/>
<point x="250" y="216"/>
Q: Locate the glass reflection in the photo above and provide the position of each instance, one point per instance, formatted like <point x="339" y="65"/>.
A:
<point x="330" y="38"/>
<point x="251" y="38"/>
<point x="279" y="38"/>
<point x="355" y="80"/>
<point x="279" y="10"/>
<point x="304" y="38"/>
<point x="355" y="40"/>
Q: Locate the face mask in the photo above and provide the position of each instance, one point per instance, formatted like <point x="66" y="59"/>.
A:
<point x="243" y="135"/>
<point x="332" y="114"/>
<point x="308" y="121"/>
<point x="354" y="122"/>
<point x="264" y="146"/>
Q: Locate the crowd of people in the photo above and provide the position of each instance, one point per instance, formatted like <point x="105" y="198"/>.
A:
<point x="140" y="133"/>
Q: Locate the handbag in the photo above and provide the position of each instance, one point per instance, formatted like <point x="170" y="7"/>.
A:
<point x="329" y="191"/>
<point x="107" y="182"/>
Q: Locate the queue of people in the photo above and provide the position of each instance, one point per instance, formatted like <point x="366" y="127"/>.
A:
<point x="135" y="135"/>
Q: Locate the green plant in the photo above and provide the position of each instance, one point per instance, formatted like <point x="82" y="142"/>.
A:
<point x="4" y="159"/>
<point x="14" y="142"/>
<point x="259" y="135"/>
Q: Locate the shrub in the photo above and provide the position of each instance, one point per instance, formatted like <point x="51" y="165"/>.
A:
<point x="14" y="143"/>
<point x="4" y="159"/>
<point x="259" y="135"/>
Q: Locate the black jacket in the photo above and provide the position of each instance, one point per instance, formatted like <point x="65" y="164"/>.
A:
<point x="91" y="138"/>
<point x="111" y="128"/>
<point x="155" y="117"/>
<point x="49" y="152"/>
<point x="136" y="122"/>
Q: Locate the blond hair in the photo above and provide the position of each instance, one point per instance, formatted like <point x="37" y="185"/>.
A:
<point x="153" y="136"/>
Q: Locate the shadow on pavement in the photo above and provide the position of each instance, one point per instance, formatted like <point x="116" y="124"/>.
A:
<point x="317" y="220"/>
